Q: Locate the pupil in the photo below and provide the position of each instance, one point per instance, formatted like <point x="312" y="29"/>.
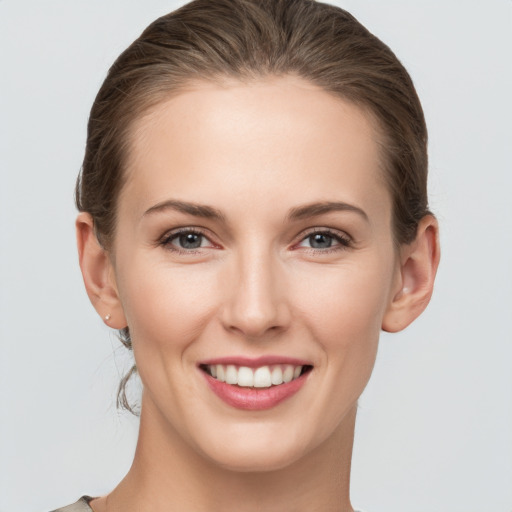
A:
<point x="190" y="241"/>
<point x="320" y="241"/>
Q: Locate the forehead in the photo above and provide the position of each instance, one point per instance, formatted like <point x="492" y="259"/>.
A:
<point x="232" y="140"/>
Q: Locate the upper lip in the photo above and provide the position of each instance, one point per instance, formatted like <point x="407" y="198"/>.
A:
<point x="255" y="362"/>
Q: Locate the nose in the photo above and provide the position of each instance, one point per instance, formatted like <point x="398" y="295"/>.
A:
<point x="255" y="305"/>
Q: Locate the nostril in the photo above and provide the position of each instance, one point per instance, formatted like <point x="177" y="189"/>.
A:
<point x="254" y="330"/>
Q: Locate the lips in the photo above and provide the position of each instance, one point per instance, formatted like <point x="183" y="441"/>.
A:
<point x="255" y="384"/>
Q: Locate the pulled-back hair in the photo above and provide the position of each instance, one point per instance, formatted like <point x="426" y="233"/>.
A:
<point x="210" y="40"/>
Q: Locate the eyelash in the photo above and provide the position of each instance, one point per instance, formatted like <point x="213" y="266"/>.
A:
<point x="169" y="237"/>
<point x="343" y="240"/>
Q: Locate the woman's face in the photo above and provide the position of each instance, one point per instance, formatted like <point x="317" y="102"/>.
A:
<point x="254" y="240"/>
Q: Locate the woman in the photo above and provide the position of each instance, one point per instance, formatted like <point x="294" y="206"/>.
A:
<point x="253" y="213"/>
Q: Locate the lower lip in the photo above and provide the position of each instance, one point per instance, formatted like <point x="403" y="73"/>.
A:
<point x="254" y="399"/>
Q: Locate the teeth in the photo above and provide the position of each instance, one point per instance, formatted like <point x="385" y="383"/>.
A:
<point x="277" y="376"/>
<point x="221" y="373"/>
<point x="231" y="375"/>
<point x="288" y="373"/>
<point x="262" y="377"/>
<point x="245" y="377"/>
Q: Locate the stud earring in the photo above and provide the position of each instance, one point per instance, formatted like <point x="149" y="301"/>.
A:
<point x="107" y="317"/>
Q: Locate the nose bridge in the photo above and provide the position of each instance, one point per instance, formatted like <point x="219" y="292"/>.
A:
<point x="256" y="303"/>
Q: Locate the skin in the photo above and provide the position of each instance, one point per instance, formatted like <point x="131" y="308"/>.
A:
<point x="258" y="285"/>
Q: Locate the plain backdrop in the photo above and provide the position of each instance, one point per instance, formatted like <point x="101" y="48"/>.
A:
<point x="434" y="430"/>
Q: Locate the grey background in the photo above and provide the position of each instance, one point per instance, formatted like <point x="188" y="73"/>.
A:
<point x="434" y="429"/>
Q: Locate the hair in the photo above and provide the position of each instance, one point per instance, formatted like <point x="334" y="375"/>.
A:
<point x="210" y="40"/>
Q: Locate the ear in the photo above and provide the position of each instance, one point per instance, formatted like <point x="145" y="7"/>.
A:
<point x="415" y="282"/>
<point x="98" y="273"/>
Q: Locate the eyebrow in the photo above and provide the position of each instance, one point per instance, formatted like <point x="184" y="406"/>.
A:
<point x="197" y="210"/>
<point x="314" y="209"/>
<point x="297" y="213"/>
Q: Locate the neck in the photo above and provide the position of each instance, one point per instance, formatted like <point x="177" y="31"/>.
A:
<point x="168" y="474"/>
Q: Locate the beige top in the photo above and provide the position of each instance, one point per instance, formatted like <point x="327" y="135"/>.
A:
<point x="82" y="505"/>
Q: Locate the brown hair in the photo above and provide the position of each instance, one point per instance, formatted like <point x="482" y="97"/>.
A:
<point x="246" y="40"/>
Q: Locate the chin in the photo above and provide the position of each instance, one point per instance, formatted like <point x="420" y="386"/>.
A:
<point x="256" y="462"/>
<point x="256" y="450"/>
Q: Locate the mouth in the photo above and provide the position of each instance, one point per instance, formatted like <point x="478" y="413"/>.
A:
<point x="264" y="376"/>
<point x="255" y="384"/>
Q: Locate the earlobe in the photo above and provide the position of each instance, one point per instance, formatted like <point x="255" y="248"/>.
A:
<point x="418" y="267"/>
<point x="98" y="273"/>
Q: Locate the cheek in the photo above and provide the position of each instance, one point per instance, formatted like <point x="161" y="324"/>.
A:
<point x="166" y="307"/>
<point x="343" y="312"/>
<point x="344" y="305"/>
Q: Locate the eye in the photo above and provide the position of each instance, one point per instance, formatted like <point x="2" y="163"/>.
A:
<point x="325" y="241"/>
<point x="185" y="240"/>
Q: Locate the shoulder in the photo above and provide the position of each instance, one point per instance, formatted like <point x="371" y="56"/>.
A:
<point x="82" y="505"/>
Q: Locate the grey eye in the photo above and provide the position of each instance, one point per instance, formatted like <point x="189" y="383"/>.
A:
<point x="190" y="240"/>
<point x="320" y="241"/>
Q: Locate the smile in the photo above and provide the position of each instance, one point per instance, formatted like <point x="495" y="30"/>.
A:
<point x="255" y="384"/>
<point x="260" y="377"/>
